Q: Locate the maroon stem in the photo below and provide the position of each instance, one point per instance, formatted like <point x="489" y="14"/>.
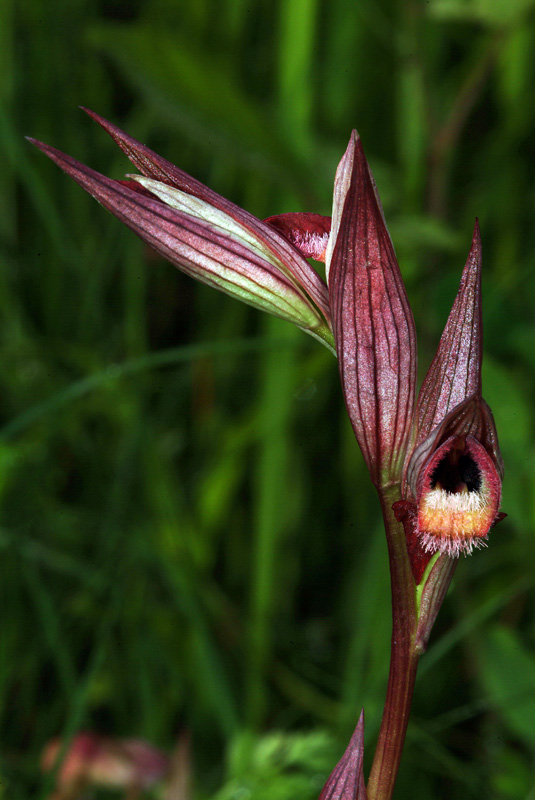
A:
<point x="403" y="657"/>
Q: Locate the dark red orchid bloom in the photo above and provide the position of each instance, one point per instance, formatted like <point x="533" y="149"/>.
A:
<point x="436" y="455"/>
<point x="443" y="448"/>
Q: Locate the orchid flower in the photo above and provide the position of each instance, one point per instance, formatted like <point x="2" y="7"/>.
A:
<point x="207" y="236"/>
<point x="433" y="458"/>
<point x="93" y="760"/>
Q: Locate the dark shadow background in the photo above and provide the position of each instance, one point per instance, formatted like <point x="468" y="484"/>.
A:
<point x="188" y="538"/>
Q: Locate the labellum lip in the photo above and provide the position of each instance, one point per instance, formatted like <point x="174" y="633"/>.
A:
<point x="458" y="497"/>
<point x="308" y="232"/>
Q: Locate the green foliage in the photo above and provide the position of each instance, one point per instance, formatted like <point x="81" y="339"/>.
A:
<point x="487" y="12"/>
<point x="188" y="538"/>
<point x="280" y="766"/>
<point x="508" y="671"/>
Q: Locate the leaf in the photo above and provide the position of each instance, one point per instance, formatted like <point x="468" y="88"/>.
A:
<point x="489" y="12"/>
<point x="346" y="781"/>
<point x="508" y="672"/>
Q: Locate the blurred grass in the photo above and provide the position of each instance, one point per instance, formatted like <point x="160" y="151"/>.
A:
<point x="188" y="538"/>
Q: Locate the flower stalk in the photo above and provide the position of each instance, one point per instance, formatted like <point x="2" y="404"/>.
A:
<point x="404" y="656"/>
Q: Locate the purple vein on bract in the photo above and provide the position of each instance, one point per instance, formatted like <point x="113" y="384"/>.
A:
<point x="199" y="248"/>
<point x="154" y="166"/>
<point x="372" y="320"/>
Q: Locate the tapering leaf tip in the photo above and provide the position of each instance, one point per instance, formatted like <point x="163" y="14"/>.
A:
<point x="455" y="372"/>
<point x="346" y="781"/>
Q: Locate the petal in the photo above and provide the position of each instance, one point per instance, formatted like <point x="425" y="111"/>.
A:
<point x="217" y="219"/>
<point x="154" y="166"/>
<point x="455" y="372"/>
<point x="372" y="320"/>
<point x="308" y="232"/>
<point x="346" y="781"/>
<point x="342" y="183"/>
<point x="201" y="250"/>
<point x="474" y="418"/>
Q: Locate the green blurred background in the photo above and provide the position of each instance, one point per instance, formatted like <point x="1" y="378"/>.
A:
<point x="189" y="542"/>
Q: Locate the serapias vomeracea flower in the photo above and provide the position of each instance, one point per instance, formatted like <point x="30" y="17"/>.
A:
<point x="211" y="238"/>
<point x="442" y="448"/>
<point x="434" y="458"/>
<point x="91" y="760"/>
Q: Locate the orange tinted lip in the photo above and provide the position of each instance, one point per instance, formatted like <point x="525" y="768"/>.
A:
<point x="457" y="520"/>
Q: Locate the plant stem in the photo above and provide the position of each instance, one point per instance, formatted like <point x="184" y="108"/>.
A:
<point x="403" y="657"/>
